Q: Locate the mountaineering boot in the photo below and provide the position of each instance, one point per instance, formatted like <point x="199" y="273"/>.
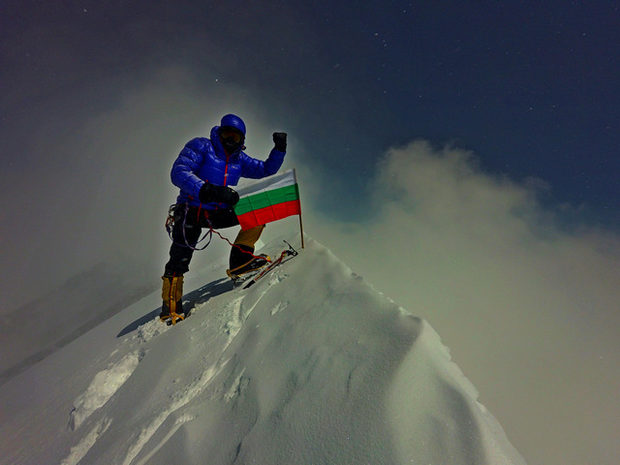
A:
<point x="171" y="294"/>
<point x="242" y="259"/>
<point x="253" y="264"/>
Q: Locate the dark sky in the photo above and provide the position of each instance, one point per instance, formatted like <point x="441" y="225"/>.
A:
<point x="98" y="98"/>
<point x="531" y="90"/>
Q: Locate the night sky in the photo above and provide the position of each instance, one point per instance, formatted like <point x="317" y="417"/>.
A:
<point x="532" y="91"/>
<point x="461" y="156"/>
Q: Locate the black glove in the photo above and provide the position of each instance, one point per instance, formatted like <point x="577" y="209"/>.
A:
<point x="279" y="138"/>
<point x="221" y="194"/>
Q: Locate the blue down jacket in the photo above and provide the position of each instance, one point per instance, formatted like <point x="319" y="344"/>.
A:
<point x="203" y="160"/>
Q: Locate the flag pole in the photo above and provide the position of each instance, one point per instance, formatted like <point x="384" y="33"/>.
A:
<point x="301" y="225"/>
<point x="301" y="229"/>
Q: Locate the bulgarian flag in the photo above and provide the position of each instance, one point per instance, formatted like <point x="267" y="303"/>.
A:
<point x="267" y="200"/>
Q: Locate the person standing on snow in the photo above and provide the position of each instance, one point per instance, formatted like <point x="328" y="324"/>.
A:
<point x="204" y="171"/>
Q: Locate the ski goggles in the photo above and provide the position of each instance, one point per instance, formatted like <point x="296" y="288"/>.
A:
<point x="231" y="134"/>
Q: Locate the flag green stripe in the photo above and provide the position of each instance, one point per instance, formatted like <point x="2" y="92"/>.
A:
<point x="267" y="198"/>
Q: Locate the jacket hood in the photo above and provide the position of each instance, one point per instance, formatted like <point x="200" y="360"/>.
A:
<point x="233" y="121"/>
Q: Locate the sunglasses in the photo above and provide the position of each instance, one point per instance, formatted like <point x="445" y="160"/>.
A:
<point x="231" y="134"/>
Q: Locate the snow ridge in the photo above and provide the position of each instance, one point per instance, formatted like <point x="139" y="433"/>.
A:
<point x="310" y="365"/>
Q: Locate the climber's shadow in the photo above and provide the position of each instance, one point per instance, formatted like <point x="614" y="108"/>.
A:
<point x="199" y="296"/>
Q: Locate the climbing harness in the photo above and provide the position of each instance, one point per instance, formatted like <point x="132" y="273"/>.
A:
<point x="170" y="221"/>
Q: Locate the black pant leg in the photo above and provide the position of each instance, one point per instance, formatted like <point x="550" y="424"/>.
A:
<point x="188" y="223"/>
<point x="185" y="235"/>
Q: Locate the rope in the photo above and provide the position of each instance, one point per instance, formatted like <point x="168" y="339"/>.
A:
<point x="240" y="248"/>
<point x="209" y="234"/>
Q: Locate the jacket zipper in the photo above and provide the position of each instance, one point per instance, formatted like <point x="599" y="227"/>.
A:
<point x="226" y="170"/>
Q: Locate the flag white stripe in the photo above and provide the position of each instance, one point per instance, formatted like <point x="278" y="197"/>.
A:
<point x="267" y="184"/>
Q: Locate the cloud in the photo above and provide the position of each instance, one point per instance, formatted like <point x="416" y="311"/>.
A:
<point x="530" y="310"/>
<point x="89" y="180"/>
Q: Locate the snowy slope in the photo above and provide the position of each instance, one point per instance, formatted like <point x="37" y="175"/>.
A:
<point x="310" y="366"/>
<point x="73" y="305"/>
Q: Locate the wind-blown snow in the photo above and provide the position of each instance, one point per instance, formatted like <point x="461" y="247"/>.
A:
<point x="311" y="365"/>
<point x="103" y="386"/>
